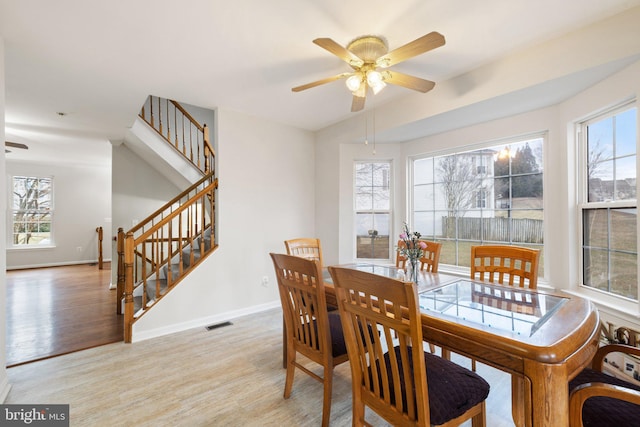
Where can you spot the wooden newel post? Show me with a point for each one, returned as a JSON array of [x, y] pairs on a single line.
[[99, 231], [128, 286], [120, 272]]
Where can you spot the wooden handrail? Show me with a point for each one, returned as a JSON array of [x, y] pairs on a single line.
[[164, 221], [186, 113], [170, 113], [147, 252], [172, 202]]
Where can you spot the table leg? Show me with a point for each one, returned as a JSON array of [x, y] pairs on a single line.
[[520, 400], [549, 399]]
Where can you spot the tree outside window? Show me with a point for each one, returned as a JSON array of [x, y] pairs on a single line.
[[491, 195], [31, 210]]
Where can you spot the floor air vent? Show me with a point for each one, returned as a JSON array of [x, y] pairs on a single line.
[[219, 325]]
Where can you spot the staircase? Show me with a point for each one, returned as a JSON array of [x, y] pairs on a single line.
[[160, 251]]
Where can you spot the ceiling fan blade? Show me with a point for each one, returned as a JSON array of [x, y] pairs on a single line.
[[411, 49], [340, 51], [321, 82], [358, 103], [15, 145], [410, 82]]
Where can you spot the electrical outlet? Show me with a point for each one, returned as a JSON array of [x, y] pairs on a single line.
[[265, 281]]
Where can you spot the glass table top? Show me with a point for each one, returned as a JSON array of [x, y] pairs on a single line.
[[382, 270], [515, 310]]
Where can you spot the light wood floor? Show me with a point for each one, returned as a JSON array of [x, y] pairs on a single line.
[[53, 311], [230, 376]]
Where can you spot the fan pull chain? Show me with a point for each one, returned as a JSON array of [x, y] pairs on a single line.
[[366, 130], [374, 130]]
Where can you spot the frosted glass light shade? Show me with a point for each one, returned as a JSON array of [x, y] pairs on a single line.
[[354, 82]]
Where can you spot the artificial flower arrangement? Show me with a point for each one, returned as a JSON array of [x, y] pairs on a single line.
[[412, 250]]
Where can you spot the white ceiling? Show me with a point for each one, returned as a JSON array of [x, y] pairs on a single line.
[[96, 61]]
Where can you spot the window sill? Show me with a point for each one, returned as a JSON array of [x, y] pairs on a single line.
[[30, 248], [618, 306]]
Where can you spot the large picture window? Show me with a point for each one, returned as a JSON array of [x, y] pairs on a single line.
[[609, 204], [491, 195], [32, 214], [372, 209]]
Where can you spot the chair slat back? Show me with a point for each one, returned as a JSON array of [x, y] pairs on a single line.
[[400, 259], [506, 265], [430, 258], [305, 247], [370, 302], [303, 304]]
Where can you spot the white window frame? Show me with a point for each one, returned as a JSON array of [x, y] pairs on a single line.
[[389, 212], [10, 244], [466, 149], [618, 302]]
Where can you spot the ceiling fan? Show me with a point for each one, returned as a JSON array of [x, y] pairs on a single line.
[[369, 57], [14, 145]]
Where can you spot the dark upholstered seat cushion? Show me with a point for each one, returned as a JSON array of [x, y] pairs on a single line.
[[452, 389], [338, 346], [606, 411]]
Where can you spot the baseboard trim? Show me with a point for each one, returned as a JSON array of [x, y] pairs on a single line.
[[202, 322], [54, 264]]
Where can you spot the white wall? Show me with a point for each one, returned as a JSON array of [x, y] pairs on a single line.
[[266, 195], [82, 202], [4, 380]]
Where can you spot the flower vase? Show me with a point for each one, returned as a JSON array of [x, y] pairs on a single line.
[[412, 270]]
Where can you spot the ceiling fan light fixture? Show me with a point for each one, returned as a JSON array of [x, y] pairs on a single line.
[[377, 87], [375, 80], [354, 82], [374, 77], [366, 55], [361, 92]]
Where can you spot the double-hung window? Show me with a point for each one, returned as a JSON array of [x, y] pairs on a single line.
[[608, 202], [372, 191], [489, 195], [31, 211]]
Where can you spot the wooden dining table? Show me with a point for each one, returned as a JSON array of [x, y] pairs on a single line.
[[542, 338]]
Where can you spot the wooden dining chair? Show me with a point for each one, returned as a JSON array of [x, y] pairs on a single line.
[[430, 258], [305, 247], [310, 329], [401, 260], [511, 266], [390, 371], [505, 265], [599, 399]]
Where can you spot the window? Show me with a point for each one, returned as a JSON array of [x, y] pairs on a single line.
[[609, 206], [31, 204], [372, 209], [491, 195], [481, 198]]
